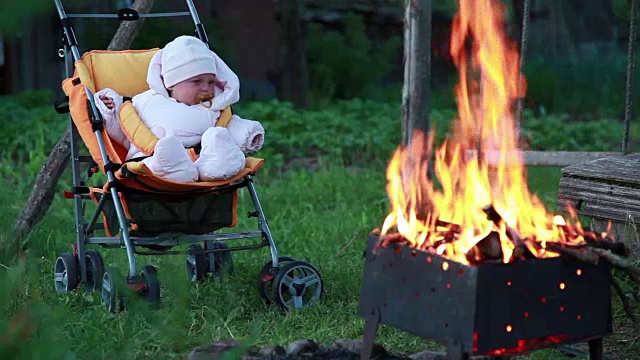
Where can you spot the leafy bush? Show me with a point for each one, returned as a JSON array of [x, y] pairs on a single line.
[[348, 131], [345, 132], [591, 86], [347, 64], [558, 132], [29, 132]]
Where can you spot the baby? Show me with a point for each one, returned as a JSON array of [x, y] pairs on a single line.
[[189, 87]]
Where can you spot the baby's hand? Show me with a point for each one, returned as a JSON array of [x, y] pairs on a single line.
[[108, 102]]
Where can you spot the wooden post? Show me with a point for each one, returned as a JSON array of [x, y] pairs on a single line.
[[417, 67], [294, 76]]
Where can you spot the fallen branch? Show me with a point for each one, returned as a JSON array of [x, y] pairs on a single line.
[[626, 304], [583, 254], [338, 254]]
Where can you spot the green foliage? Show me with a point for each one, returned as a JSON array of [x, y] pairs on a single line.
[[345, 132], [592, 86], [30, 127], [560, 133], [621, 9], [14, 14], [347, 64]]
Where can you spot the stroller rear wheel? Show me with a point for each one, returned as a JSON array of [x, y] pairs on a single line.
[[66, 274], [222, 260], [297, 284], [95, 270], [195, 263]]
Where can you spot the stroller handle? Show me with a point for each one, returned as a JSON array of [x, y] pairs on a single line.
[[128, 14]]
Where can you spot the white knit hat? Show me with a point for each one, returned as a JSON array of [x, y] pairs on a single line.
[[184, 58]]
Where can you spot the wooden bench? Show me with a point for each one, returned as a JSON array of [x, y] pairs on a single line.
[[606, 190]]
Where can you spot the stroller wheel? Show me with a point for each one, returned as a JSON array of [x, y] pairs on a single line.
[[265, 279], [150, 285], [113, 287], [66, 275], [297, 284], [195, 263], [95, 270], [222, 261]]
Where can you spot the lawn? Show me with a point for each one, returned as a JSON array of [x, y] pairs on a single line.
[[322, 217], [318, 212]]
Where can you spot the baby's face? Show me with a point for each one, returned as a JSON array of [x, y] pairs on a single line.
[[194, 90]]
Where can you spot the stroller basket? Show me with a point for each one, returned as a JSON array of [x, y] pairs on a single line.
[[153, 214]]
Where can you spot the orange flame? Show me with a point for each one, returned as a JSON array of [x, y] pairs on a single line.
[[481, 163]]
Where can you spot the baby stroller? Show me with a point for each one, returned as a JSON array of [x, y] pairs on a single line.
[[138, 210]]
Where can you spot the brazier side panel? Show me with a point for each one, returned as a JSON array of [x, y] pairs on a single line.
[[560, 299], [419, 293]]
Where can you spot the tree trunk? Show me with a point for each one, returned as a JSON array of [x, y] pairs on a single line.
[[43, 189], [294, 75], [417, 65], [128, 30]]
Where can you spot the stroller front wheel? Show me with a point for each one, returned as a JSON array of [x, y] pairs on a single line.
[[150, 285], [296, 285], [265, 279], [112, 290]]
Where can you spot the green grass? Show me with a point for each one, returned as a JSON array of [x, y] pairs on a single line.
[[321, 217]]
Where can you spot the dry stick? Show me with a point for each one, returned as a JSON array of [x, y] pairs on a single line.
[[594, 255], [617, 261], [347, 245], [582, 254], [44, 186]]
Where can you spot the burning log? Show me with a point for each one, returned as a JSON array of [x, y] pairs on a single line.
[[487, 250], [521, 250]]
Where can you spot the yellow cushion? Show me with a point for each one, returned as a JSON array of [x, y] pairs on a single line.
[[135, 130], [123, 71]]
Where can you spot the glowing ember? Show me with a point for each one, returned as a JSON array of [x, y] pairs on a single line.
[[481, 178]]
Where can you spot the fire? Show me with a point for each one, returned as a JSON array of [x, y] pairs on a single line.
[[480, 164]]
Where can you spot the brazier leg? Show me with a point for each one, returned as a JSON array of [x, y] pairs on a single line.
[[596, 349], [455, 351], [370, 329]]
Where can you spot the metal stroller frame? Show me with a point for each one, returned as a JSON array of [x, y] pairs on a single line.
[[283, 280]]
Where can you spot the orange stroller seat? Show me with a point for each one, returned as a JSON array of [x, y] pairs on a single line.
[[125, 72]]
